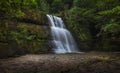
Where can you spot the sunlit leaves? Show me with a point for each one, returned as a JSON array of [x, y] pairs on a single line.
[[115, 10], [19, 13], [29, 2], [112, 28]]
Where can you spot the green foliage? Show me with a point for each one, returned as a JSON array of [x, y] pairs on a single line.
[[57, 6], [115, 10], [43, 6], [13, 8], [19, 13], [85, 3], [22, 35], [112, 28], [77, 21], [28, 38], [91, 20], [29, 2]]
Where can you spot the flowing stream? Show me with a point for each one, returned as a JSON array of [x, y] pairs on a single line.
[[62, 39]]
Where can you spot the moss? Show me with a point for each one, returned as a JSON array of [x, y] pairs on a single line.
[[22, 38]]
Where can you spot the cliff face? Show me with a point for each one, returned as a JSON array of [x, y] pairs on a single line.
[[28, 34]]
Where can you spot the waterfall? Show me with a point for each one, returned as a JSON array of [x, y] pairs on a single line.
[[62, 39]]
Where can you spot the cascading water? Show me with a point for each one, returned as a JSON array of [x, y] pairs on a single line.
[[62, 39]]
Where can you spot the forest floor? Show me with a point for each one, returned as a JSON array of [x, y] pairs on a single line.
[[93, 62]]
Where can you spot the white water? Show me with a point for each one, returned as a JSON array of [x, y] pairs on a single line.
[[62, 39]]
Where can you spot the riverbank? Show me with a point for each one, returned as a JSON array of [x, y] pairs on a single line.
[[62, 63]]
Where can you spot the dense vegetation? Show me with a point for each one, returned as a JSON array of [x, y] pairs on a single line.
[[94, 23]]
